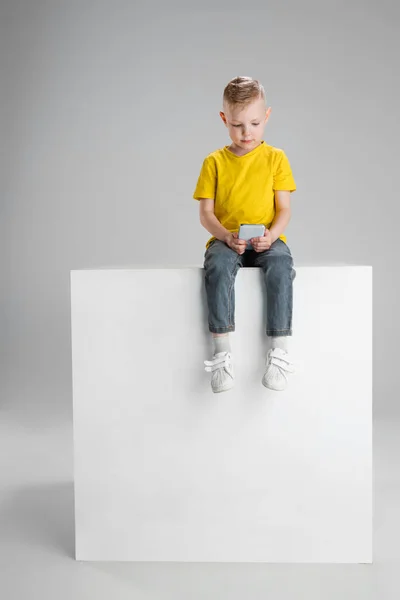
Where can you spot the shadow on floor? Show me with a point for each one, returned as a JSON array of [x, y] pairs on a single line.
[[41, 514]]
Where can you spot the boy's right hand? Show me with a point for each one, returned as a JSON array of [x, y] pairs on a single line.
[[235, 243]]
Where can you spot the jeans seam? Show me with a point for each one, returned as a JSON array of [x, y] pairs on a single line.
[[270, 331], [232, 275]]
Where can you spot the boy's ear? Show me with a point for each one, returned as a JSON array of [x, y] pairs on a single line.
[[222, 115], [267, 114]]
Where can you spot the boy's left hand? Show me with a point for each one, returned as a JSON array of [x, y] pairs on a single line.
[[262, 243]]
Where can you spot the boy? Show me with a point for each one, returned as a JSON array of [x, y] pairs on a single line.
[[247, 182]]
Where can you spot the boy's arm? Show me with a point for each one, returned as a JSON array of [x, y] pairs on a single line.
[[210, 221], [282, 214]]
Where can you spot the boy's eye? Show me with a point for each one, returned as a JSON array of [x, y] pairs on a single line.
[[252, 124]]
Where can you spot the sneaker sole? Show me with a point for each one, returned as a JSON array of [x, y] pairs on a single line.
[[272, 388], [223, 389]]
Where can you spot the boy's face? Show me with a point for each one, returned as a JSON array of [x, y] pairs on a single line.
[[246, 125]]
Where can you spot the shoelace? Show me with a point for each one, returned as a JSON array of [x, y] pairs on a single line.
[[219, 361]]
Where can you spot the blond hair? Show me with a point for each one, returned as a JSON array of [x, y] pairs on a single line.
[[242, 91]]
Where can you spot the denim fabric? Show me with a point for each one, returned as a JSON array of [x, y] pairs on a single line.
[[221, 265]]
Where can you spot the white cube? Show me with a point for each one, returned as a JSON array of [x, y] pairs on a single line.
[[165, 470]]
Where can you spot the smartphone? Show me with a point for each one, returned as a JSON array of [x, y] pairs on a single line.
[[248, 231]]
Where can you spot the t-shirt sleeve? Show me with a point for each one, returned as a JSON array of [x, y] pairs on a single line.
[[207, 181], [283, 176]]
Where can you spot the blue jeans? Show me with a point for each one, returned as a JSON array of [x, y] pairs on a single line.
[[221, 265]]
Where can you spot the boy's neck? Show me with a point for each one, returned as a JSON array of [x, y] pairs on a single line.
[[240, 151]]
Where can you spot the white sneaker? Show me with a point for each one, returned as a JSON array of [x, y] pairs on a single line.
[[221, 366], [278, 366]]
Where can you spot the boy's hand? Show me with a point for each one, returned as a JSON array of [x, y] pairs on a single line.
[[236, 243], [262, 243]]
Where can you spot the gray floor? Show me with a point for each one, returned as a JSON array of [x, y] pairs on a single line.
[[37, 536]]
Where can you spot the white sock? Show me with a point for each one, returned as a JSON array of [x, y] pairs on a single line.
[[222, 343], [280, 341]]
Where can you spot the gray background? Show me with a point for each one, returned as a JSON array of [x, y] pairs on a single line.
[[107, 111]]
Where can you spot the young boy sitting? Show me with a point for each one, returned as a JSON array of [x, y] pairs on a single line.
[[248, 181]]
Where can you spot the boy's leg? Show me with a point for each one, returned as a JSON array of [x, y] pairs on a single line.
[[277, 265], [221, 265], [279, 273], [221, 342]]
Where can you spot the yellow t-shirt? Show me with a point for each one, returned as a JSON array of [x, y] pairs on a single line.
[[243, 187]]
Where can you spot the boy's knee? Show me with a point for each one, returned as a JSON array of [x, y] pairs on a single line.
[[220, 268], [280, 264], [222, 260]]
